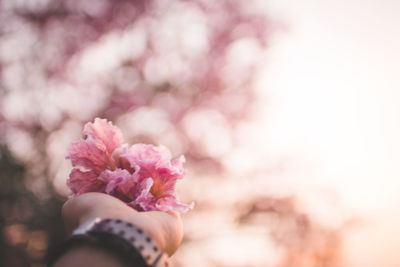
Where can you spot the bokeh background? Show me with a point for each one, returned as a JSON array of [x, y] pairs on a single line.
[[286, 111]]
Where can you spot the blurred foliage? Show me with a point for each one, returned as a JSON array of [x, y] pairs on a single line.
[[28, 223], [180, 73], [307, 243]]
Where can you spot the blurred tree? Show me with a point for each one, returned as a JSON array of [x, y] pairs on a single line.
[[28, 223], [180, 73]]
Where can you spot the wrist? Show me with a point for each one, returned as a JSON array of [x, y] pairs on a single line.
[[120, 239], [84, 255]]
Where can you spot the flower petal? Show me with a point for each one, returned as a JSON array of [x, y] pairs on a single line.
[[107, 136], [170, 203], [155, 162], [145, 201], [143, 176], [85, 154], [82, 182], [125, 186], [108, 176], [95, 152]]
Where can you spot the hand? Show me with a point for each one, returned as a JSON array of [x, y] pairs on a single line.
[[164, 228]]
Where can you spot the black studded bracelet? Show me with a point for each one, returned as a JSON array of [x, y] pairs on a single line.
[[128, 243]]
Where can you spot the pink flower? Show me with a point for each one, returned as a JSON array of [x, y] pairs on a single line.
[[142, 175], [94, 152]]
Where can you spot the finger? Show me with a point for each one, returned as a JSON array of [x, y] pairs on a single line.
[[168, 230], [79, 209]]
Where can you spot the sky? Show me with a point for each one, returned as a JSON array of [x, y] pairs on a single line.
[[332, 80]]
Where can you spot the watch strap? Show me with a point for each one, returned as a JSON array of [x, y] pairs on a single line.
[[135, 236]]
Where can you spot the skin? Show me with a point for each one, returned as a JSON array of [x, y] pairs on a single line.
[[164, 228], [87, 257]]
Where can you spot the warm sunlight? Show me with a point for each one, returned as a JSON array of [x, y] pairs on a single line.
[[334, 76]]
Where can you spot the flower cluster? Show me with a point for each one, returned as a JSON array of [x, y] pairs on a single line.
[[142, 175]]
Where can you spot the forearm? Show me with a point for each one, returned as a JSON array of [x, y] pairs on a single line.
[[118, 235], [164, 228], [87, 256], [111, 241]]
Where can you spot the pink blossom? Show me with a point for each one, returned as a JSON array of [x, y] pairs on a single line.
[[143, 176], [94, 151]]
